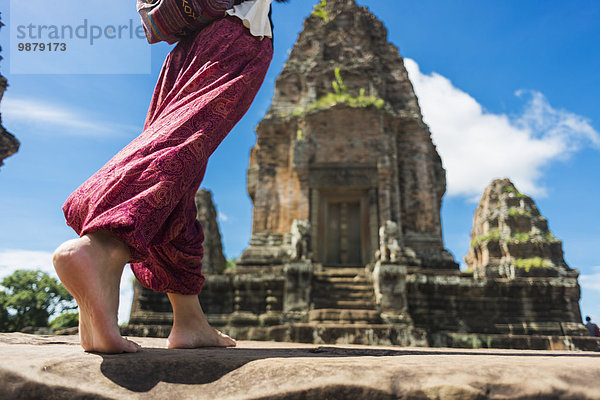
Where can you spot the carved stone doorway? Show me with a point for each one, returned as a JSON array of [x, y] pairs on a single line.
[[343, 229]]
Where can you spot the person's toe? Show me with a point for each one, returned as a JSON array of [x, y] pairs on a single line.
[[131, 347], [226, 340]]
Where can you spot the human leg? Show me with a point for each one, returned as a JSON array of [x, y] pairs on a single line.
[[90, 267], [142, 194], [174, 264], [190, 326], [207, 84]]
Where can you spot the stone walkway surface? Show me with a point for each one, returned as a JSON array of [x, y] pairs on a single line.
[[55, 367]]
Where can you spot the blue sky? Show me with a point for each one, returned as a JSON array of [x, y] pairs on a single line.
[[508, 89]]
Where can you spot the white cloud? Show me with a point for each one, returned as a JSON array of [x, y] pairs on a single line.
[[591, 281], [13, 259], [43, 117], [477, 146], [223, 217]]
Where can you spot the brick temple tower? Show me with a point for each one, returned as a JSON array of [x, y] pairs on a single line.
[[344, 151]]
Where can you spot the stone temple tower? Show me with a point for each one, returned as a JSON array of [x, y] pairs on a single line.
[[353, 165], [510, 237], [8, 143]]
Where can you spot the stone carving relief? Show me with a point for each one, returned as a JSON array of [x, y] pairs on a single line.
[[389, 248], [300, 240]]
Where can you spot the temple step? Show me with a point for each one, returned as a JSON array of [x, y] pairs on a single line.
[[343, 289], [348, 287], [361, 287], [337, 316], [326, 302], [341, 272], [343, 295], [332, 280], [366, 293]]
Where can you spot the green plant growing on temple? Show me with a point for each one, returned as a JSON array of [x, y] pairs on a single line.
[[519, 237], [509, 189], [550, 237], [339, 87], [492, 234], [340, 95], [517, 212], [528, 263], [297, 112], [320, 11]]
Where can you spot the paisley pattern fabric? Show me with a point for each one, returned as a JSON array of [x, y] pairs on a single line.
[[145, 194], [170, 20]]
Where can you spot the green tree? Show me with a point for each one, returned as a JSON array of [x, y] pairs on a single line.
[[66, 320], [30, 298], [3, 312], [230, 264]]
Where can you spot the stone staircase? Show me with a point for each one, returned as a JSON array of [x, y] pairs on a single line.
[[343, 295], [343, 311]]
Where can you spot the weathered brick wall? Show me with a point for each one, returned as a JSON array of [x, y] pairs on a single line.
[[462, 304]]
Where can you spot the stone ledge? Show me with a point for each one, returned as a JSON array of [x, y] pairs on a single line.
[[514, 342], [55, 367]]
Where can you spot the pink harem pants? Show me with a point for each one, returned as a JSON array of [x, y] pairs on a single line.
[[145, 194]]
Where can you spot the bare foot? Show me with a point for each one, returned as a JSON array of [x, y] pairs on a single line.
[[90, 268], [190, 326]]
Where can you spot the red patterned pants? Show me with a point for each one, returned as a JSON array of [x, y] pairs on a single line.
[[145, 194]]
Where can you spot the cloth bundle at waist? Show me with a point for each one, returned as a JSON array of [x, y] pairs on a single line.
[[170, 20]]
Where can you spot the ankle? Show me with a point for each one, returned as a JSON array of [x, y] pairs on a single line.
[[186, 308]]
